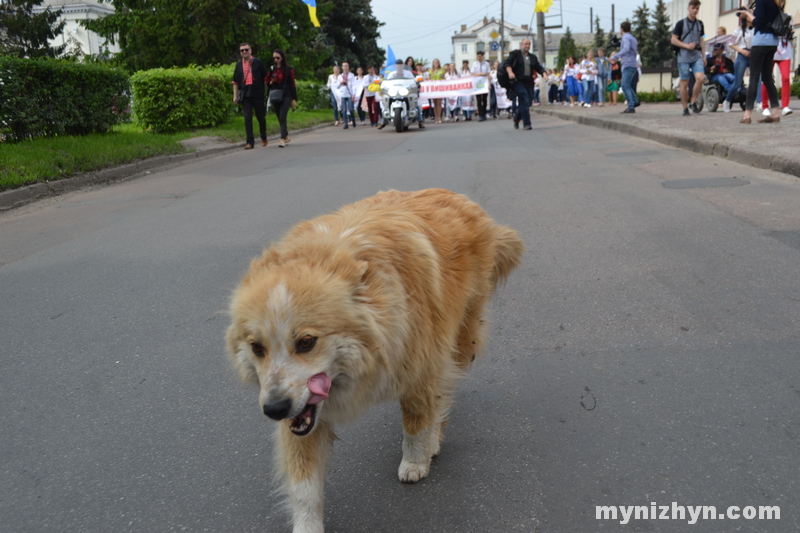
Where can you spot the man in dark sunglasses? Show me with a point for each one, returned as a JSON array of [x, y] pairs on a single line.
[[248, 90]]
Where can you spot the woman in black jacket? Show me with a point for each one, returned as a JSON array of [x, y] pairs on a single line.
[[282, 91]]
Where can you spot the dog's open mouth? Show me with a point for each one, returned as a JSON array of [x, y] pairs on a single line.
[[303, 423]]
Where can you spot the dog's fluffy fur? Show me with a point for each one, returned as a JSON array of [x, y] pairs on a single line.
[[384, 297]]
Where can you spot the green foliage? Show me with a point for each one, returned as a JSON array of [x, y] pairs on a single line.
[[312, 95], [667, 95], [353, 33], [640, 28], [796, 87], [179, 33], [660, 52], [45, 98], [171, 100], [566, 49], [24, 33], [599, 34]]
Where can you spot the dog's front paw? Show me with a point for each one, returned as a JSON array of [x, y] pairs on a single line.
[[412, 472]]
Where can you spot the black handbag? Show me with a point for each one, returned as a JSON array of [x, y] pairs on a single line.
[[275, 96]]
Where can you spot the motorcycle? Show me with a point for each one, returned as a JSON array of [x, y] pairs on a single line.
[[400, 96]]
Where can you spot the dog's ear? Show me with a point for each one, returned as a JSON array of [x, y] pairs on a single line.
[[265, 260], [350, 268]]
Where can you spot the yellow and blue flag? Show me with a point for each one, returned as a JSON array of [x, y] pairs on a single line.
[[543, 6], [312, 11]]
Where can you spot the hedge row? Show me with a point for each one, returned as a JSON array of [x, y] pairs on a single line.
[[44, 98], [178, 99]]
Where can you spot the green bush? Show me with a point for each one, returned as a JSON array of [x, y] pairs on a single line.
[[666, 95], [45, 98], [312, 95], [178, 99], [796, 87]]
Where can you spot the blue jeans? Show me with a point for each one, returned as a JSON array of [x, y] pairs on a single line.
[[588, 91], [525, 96], [726, 80], [602, 83], [348, 113], [628, 74], [739, 67], [335, 107]]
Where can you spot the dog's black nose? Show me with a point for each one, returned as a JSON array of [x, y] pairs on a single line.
[[278, 410]]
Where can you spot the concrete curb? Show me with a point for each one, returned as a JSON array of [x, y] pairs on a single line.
[[15, 198], [740, 155]]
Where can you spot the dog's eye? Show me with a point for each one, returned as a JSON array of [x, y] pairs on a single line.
[[305, 344], [258, 349]]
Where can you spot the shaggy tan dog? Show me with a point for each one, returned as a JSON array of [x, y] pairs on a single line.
[[379, 301]]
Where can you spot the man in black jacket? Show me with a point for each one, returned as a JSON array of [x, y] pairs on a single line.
[[248, 79], [521, 66]]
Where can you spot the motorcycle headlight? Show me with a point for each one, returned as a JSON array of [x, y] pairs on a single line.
[[391, 91], [402, 91]]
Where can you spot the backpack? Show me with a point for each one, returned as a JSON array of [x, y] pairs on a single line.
[[502, 75], [782, 25], [675, 49]]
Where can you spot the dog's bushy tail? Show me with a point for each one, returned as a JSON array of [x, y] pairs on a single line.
[[508, 253]]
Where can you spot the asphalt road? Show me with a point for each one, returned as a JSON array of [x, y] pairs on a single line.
[[645, 352]]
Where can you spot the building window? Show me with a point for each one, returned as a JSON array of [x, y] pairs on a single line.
[[728, 5], [480, 47], [464, 48]]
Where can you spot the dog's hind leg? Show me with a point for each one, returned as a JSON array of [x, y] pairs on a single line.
[[302, 461]]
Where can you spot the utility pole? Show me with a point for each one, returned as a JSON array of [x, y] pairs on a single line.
[[502, 27], [540, 37], [591, 20], [613, 28]]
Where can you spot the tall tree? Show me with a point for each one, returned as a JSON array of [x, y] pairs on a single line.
[[640, 28], [566, 48], [660, 53], [167, 33], [353, 33], [599, 34], [24, 33]]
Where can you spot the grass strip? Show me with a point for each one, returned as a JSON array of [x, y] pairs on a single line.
[[55, 158]]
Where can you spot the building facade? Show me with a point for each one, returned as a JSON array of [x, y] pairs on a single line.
[[75, 36]]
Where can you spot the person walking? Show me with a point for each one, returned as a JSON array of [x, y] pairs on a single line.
[[603, 74], [282, 92], [571, 71], [783, 58], [687, 36], [521, 66], [334, 90], [346, 85], [627, 56], [248, 89], [765, 44], [615, 84], [372, 104], [453, 103], [743, 41], [588, 78], [436, 73], [358, 97], [481, 68]]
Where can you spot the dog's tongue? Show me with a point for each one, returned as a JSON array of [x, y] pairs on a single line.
[[319, 385]]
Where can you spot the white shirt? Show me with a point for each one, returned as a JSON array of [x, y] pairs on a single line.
[[345, 84], [481, 67], [588, 70]]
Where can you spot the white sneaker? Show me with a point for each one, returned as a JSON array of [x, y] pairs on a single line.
[[588, 105], [726, 107], [766, 112], [786, 111]]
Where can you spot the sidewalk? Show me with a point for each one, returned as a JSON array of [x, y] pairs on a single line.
[[768, 146]]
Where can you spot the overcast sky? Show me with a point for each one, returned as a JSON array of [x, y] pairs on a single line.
[[423, 28]]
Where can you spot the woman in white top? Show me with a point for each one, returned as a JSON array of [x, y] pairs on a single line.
[[571, 70], [466, 101], [359, 94], [742, 41], [588, 77], [453, 104], [333, 88]]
